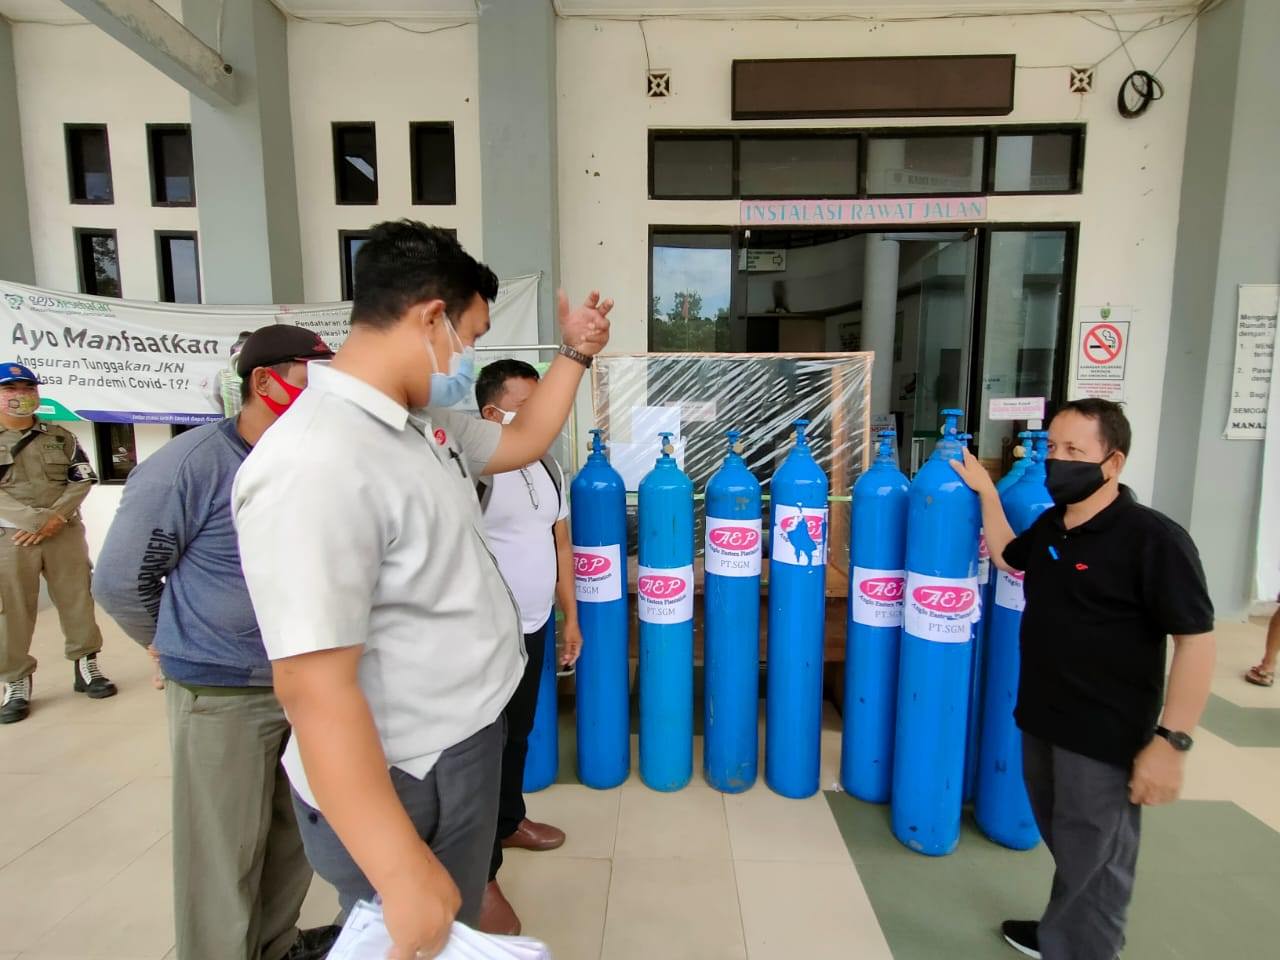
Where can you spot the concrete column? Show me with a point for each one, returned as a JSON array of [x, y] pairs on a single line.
[[16, 260], [518, 174], [880, 315], [246, 190], [1228, 234]]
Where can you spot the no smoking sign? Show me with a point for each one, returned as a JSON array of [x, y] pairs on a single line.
[[1102, 352]]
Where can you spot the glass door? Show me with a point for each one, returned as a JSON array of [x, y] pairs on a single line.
[[1023, 332], [932, 334]]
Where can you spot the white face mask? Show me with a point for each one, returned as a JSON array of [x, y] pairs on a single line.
[[507, 415]]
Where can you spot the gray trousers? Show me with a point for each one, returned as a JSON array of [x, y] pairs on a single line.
[[454, 808], [239, 872], [1083, 811]]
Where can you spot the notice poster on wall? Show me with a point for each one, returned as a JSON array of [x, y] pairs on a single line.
[[129, 361], [1255, 352], [1101, 352], [1266, 574]]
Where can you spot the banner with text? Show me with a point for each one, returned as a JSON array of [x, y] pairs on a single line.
[[129, 361]]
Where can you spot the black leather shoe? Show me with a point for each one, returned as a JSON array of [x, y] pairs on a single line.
[[17, 701], [313, 944], [90, 681], [1023, 936]]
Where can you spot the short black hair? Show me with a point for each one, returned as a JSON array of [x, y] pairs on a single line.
[[246, 388], [406, 262], [1113, 425], [494, 376]]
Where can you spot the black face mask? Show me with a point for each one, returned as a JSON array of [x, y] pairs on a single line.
[[1070, 481]]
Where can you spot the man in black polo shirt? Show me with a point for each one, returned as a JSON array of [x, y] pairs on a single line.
[[1107, 581]]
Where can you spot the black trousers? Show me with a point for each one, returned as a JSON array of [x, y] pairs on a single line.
[[519, 714], [1082, 808]]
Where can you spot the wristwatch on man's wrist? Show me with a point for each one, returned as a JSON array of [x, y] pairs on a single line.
[[576, 355], [1180, 741]]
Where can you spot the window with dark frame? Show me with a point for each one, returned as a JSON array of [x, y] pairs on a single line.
[[1047, 161], [688, 167], [925, 165], [98, 260], [89, 163], [178, 257], [173, 182], [431, 154], [117, 451], [774, 166], [862, 163], [355, 163], [349, 244]]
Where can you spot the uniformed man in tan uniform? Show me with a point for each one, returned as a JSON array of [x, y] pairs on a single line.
[[44, 476]]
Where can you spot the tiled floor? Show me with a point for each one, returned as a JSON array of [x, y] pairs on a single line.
[[84, 849]]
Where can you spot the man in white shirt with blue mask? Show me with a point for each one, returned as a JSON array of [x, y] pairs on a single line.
[[395, 642], [526, 517]]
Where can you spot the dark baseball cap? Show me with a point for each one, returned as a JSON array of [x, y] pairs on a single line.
[[17, 373], [280, 343]]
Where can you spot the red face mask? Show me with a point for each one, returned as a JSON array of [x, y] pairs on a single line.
[[292, 392]]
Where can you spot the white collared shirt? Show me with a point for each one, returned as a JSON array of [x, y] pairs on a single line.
[[519, 520], [359, 525]]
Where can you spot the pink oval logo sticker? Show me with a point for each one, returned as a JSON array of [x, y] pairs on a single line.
[[814, 524], [735, 538], [590, 564], [658, 587], [945, 599], [888, 589]]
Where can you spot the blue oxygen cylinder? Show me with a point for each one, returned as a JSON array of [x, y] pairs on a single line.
[[542, 763], [940, 606], [987, 582], [664, 595], [877, 576], [598, 520], [1001, 807], [974, 722], [797, 612], [731, 560]]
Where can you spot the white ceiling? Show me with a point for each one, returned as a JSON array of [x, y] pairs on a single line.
[[56, 11], [835, 7]]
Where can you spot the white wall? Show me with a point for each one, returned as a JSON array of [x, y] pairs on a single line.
[[1128, 212], [77, 74], [391, 77]]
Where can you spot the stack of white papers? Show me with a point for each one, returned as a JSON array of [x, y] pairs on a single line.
[[365, 937]]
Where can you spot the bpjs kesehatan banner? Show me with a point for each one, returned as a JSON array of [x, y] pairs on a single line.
[[128, 361]]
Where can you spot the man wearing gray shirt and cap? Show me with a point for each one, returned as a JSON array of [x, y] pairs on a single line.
[[396, 644]]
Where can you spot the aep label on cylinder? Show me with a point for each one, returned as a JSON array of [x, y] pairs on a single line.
[[1009, 591], [597, 573], [665, 594], [799, 536], [733, 547], [941, 609], [877, 596]]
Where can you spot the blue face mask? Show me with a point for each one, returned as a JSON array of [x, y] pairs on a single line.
[[448, 389], [451, 388]]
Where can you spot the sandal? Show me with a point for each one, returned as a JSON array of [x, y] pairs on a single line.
[[1259, 677]]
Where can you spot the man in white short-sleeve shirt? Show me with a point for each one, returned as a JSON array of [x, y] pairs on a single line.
[[395, 642], [526, 518]]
